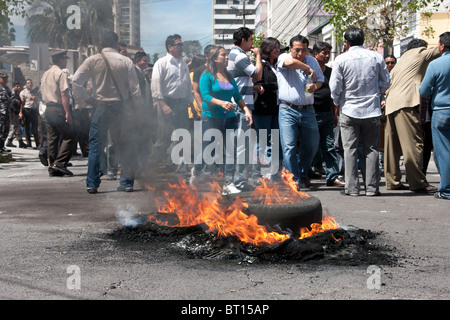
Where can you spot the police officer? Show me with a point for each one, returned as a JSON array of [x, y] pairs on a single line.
[[5, 110]]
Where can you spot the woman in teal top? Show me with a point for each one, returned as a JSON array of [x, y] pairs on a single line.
[[218, 89]]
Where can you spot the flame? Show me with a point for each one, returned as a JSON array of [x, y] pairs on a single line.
[[328, 223], [191, 208]]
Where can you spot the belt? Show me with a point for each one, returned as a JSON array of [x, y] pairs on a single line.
[[295, 106]]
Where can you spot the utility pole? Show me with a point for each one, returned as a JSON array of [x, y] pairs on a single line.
[[242, 13]]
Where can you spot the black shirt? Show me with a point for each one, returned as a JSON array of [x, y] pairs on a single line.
[[322, 97], [267, 103]]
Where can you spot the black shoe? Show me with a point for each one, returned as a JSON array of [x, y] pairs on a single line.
[[52, 173], [62, 170], [125, 189], [43, 159], [5, 150], [10, 144], [22, 145], [92, 190]]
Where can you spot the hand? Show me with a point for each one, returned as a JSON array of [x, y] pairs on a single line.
[[227, 105], [312, 88], [311, 73], [255, 51], [248, 117], [69, 118], [166, 109], [383, 105], [20, 115], [258, 89]]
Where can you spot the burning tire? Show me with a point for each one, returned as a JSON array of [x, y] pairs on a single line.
[[287, 216]]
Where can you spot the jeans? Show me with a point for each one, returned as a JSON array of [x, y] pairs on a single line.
[[296, 123], [325, 122], [440, 123], [244, 168], [216, 152], [365, 134], [267, 149], [110, 116]]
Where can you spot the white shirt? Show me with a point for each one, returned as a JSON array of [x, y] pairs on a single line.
[[358, 79], [170, 78]]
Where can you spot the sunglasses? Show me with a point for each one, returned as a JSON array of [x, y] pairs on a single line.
[[179, 44], [390, 62]]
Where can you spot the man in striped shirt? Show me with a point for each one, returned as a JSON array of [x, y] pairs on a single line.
[[244, 73]]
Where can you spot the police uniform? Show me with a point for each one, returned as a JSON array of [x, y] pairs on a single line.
[[5, 113]]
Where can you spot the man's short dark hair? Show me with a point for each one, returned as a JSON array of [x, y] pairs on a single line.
[[354, 36], [444, 39], [390, 56], [320, 46], [170, 41], [16, 83], [241, 33], [416, 43], [298, 38], [139, 55], [109, 39]]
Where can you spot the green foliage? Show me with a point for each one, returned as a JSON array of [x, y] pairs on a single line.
[[381, 20], [47, 22], [10, 8]]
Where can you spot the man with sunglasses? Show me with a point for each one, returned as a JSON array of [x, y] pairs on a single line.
[[172, 91], [390, 61]]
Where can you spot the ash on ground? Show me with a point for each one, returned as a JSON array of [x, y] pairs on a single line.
[[354, 246]]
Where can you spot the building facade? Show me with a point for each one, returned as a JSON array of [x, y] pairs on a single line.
[[127, 21], [229, 15]]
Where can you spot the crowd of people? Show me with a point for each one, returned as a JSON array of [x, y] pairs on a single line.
[[310, 118]]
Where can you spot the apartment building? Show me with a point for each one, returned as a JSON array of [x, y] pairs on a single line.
[[127, 21], [229, 15]]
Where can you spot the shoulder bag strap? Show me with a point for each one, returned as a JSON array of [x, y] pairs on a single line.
[[112, 75]]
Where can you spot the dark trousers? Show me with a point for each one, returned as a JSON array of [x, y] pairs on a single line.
[[31, 125], [58, 131]]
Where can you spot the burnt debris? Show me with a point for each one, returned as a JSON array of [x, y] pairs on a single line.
[[345, 246]]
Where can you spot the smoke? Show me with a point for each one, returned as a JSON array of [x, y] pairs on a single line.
[[129, 216]]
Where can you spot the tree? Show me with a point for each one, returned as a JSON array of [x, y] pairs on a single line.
[[47, 23], [382, 20], [10, 8], [192, 48]]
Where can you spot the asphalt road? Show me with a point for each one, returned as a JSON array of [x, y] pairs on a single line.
[[56, 244]]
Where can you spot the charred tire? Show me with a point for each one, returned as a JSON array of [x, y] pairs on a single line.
[[288, 216]]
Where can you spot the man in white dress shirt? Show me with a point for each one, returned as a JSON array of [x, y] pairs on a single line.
[[359, 78], [172, 90]]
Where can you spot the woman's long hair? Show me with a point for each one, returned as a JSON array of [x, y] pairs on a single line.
[[267, 46], [211, 66]]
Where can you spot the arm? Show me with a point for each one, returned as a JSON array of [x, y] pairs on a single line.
[[66, 104], [80, 78], [298, 65], [157, 77], [197, 97], [206, 83], [428, 83], [258, 75]]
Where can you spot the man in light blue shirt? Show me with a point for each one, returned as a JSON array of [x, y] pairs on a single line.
[[436, 84], [297, 117], [359, 78]]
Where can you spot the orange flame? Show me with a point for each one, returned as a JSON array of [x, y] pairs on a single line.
[[328, 223], [191, 208]]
